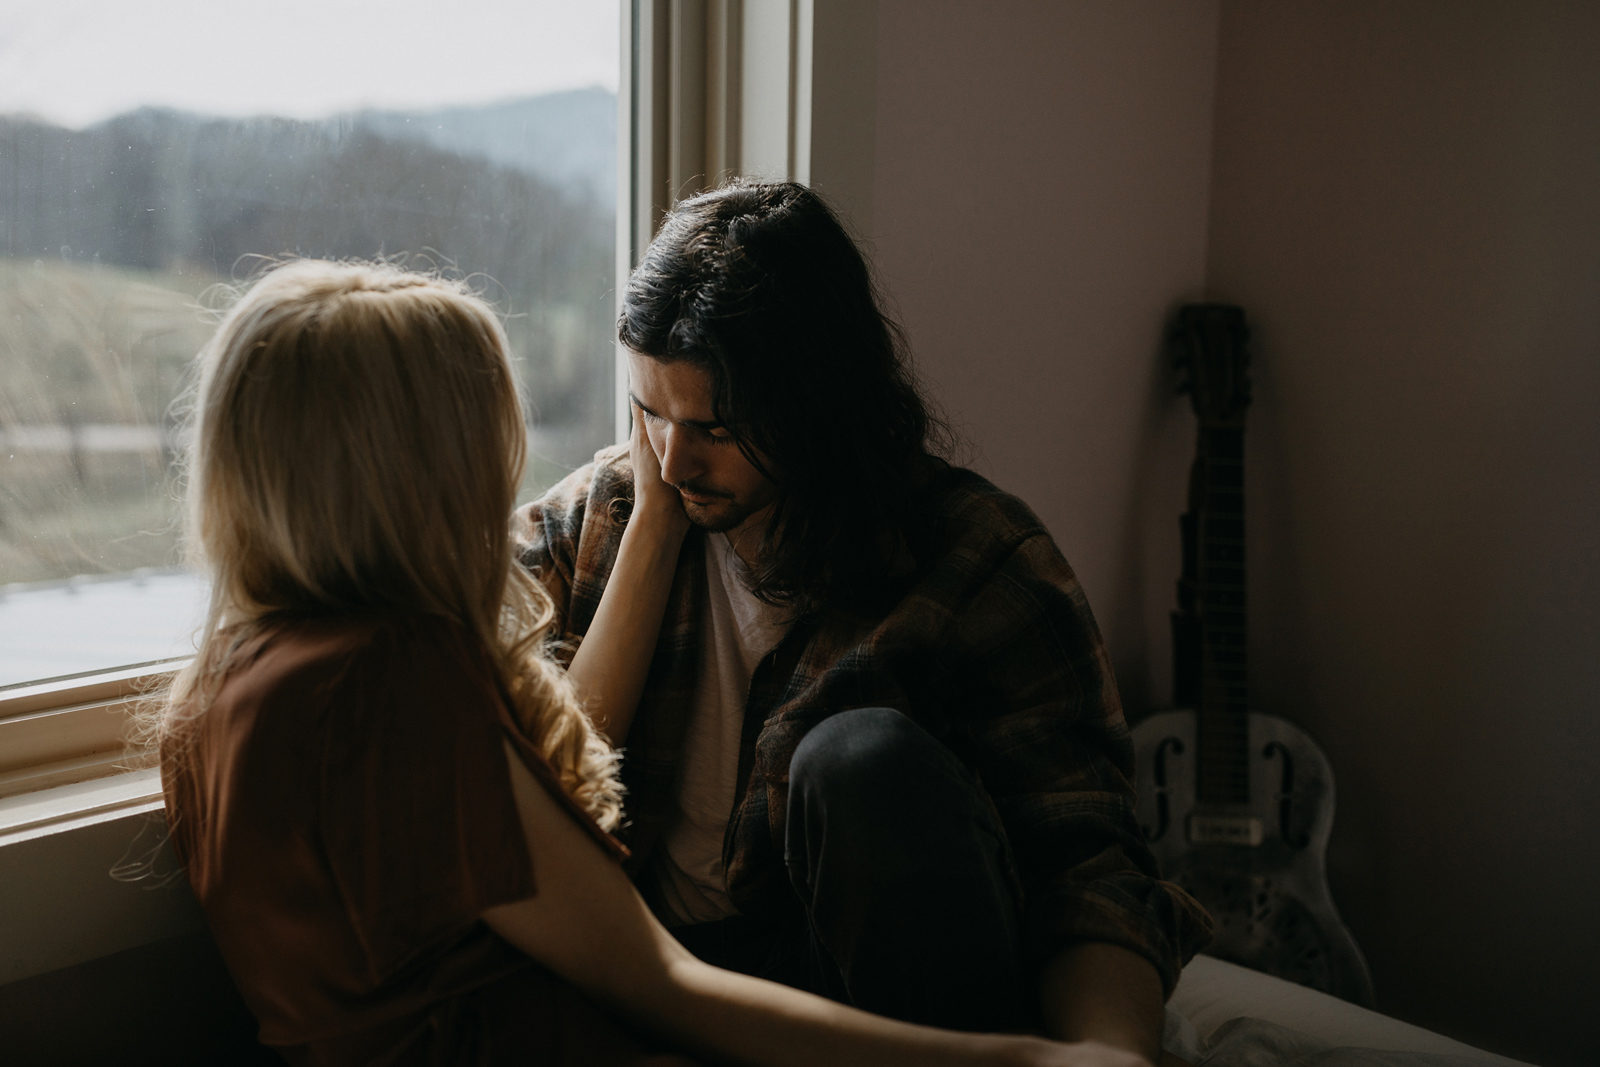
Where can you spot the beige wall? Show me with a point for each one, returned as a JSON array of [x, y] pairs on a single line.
[[1406, 197], [1040, 199]]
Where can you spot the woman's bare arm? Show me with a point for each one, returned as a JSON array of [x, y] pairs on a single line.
[[588, 925], [614, 658], [1106, 992]]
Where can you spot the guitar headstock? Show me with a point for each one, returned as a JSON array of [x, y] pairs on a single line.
[[1211, 343]]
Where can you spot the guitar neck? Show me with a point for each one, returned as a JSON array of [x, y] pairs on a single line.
[[1216, 599], [1208, 630]]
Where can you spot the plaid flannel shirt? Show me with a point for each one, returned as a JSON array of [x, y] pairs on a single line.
[[993, 650]]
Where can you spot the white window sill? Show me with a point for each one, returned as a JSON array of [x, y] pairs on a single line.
[[26, 816], [69, 730], [59, 904], [69, 814]]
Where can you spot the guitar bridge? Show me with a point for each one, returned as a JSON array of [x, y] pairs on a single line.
[[1225, 830]]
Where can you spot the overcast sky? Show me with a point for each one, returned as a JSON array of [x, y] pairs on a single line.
[[79, 61]]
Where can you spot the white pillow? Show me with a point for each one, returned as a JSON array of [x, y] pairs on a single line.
[[1212, 993]]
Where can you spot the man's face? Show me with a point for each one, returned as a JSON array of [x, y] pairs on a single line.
[[720, 488]]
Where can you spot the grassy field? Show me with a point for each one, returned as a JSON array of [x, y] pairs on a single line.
[[82, 345], [85, 346]]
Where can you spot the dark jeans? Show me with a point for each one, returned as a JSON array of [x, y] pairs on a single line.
[[904, 903]]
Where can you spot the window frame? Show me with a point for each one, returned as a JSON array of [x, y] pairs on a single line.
[[776, 89]]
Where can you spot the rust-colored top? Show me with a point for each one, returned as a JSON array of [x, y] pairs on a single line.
[[345, 817]]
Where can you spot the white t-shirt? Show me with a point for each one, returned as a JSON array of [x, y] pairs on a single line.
[[736, 633]]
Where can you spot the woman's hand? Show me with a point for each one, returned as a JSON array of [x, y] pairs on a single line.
[[1046, 1053], [654, 501]]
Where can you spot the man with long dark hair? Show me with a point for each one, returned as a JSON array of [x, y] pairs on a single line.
[[877, 749]]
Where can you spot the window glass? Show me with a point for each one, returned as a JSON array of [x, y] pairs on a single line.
[[151, 154]]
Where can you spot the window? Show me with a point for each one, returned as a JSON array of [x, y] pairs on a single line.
[[148, 151], [153, 154]]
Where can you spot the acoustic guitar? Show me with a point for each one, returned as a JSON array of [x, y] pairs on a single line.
[[1236, 805]]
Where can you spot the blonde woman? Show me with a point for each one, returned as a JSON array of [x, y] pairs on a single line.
[[386, 797]]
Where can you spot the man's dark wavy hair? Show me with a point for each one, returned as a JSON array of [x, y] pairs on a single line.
[[758, 284]]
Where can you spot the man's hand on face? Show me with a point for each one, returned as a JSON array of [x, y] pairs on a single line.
[[654, 500]]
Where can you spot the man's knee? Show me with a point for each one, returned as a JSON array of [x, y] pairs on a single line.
[[871, 758]]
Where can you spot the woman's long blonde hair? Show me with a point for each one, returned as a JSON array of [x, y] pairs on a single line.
[[357, 446]]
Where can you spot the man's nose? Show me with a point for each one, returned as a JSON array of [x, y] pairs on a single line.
[[679, 459]]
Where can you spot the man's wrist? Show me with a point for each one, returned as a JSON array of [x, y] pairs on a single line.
[[662, 522]]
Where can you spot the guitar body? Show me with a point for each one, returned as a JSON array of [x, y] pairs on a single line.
[[1257, 867]]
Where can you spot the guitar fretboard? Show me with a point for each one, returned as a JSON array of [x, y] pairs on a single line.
[[1208, 629], [1223, 763]]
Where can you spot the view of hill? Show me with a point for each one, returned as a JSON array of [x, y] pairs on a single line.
[[88, 353], [569, 138], [110, 236], [161, 190]]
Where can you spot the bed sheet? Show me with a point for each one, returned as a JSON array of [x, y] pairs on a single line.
[[1224, 1015]]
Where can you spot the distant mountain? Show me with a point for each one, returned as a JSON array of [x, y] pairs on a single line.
[[165, 191], [569, 138]]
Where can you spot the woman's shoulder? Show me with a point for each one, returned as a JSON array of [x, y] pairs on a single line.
[[354, 664], [364, 702]]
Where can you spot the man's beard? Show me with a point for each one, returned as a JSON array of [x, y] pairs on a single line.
[[725, 513], [720, 517]]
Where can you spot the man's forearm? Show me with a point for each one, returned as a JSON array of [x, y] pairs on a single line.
[[613, 661], [1102, 992]]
